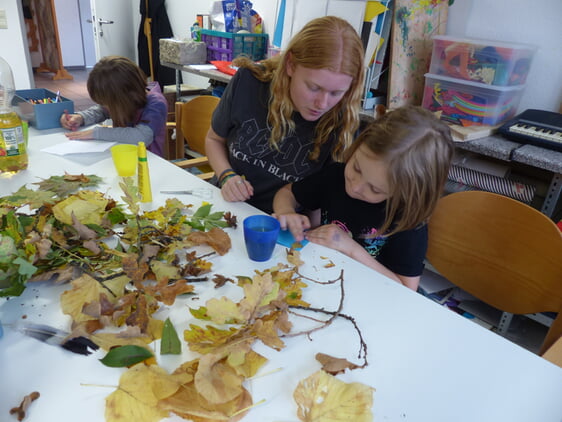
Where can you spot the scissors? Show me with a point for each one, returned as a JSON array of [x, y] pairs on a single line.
[[204, 193]]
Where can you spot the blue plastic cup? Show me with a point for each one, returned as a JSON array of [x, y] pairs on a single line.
[[260, 235]]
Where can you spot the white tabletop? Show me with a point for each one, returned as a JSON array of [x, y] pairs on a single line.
[[425, 362]]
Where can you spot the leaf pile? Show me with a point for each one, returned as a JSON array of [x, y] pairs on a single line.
[[61, 231]]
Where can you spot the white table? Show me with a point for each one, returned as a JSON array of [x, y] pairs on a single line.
[[426, 362]]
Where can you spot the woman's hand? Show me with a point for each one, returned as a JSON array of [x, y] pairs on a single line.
[[71, 121], [236, 188], [295, 222], [83, 135]]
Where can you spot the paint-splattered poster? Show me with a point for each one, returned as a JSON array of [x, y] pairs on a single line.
[[415, 22]]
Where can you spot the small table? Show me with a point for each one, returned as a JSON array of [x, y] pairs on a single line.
[[204, 70]]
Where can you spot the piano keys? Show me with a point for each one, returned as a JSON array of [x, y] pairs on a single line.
[[535, 127]]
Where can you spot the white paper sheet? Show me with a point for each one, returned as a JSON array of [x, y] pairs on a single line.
[[78, 147]]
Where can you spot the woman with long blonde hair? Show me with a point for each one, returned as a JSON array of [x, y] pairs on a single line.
[[286, 117]]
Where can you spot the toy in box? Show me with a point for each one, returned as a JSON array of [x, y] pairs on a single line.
[[41, 108], [470, 103], [489, 62]]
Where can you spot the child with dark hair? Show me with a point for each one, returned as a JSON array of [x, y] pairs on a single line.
[[138, 110], [374, 208]]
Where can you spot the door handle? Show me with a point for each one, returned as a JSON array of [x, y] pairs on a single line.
[[103, 21]]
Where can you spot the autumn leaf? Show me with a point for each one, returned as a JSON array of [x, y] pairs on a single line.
[[207, 339], [189, 404], [217, 381], [216, 238], [138, 393], [322, 397], [87, 206], [224, 311], [334, 366], [69, 183]]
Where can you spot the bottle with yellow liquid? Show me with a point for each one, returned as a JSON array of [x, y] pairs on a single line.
[[13, 151]]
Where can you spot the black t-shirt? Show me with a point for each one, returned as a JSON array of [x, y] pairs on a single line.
[[402, 253], [241, 118]]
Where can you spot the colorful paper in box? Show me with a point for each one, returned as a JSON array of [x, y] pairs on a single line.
[[468, 103], [41, 116]]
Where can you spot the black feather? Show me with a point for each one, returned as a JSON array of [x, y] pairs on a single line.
[[50, 335]]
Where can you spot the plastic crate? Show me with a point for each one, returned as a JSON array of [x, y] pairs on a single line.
[[465, 102], [226, 46], [41, 116], [476, 60]]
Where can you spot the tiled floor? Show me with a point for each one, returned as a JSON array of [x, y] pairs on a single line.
[[73, 89]]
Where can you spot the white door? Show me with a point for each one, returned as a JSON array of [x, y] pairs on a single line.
[[113, 28]]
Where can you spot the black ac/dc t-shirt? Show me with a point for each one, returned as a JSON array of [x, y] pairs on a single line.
[[241, 118], [402, 253]]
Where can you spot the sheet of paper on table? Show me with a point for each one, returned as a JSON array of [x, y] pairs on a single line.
[[78, 147]]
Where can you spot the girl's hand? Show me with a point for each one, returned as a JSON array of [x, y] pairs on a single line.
[[71, 121], [296, 223], [236, 188], [85, 134], [334, 237]]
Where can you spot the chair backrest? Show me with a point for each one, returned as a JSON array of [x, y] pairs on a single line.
[[193, 120], [501, 251]]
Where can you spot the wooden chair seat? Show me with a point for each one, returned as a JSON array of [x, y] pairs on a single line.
[[192, 121]]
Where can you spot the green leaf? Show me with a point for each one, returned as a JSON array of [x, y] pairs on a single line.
[[26, 268], [122, 356], [200, 313], [203, 211], [170, 344]]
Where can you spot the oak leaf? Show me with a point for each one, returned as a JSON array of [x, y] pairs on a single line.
[[322, 397]]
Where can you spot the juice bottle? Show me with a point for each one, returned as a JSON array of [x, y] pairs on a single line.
[[13, 152]]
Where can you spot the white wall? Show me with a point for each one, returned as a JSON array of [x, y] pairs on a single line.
[[13, 42]]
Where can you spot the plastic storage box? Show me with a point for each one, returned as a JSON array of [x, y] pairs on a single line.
[[226, 46], [41, 116], [466, 102], [489, 62]]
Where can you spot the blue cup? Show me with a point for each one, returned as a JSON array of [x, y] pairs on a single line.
[[260, 235]]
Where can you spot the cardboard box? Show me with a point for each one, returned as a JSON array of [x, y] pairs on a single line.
[[182, 52], [41, 116]]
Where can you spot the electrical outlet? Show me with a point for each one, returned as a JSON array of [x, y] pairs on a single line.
[[3, 19]]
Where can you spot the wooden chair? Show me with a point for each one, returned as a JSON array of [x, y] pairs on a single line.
[[192, 121], [501, 251]]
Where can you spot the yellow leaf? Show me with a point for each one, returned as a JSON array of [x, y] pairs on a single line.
[[223, 310], [205, 340], [189, 404], [246, 363], [87, 206], [217, 381], [322, 397], [84, 290], [138, 393]]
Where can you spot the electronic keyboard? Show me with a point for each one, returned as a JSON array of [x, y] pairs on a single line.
[[536, 127]]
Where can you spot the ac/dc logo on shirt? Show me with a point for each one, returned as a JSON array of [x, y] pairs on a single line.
[[288, 162]]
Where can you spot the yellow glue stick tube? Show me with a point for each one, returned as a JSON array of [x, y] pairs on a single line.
[[143, 174]]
